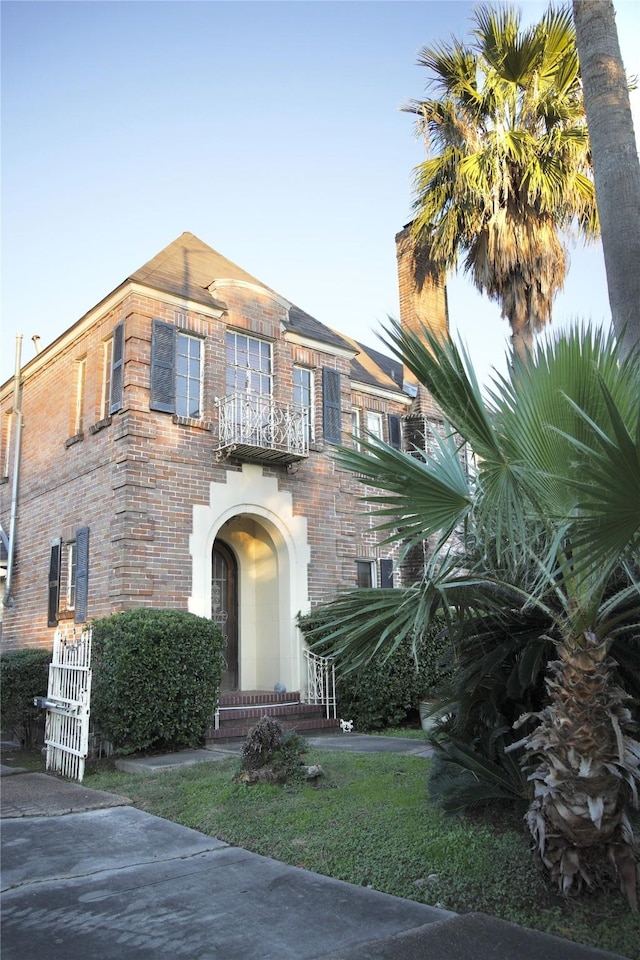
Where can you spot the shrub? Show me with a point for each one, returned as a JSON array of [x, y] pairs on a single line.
[[272, 755], [387, 690], [23, 675], [156, 678]]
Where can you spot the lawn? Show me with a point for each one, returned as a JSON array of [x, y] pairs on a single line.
[[369, 821]]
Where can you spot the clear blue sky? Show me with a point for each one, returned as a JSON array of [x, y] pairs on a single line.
[[271, 130]]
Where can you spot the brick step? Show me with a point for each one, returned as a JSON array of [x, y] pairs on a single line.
[[257, 697], [239, 712], [241, 730], [283, 711]]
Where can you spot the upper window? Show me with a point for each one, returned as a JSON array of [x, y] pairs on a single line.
[[78, 409], [107, 360], [188, 375], [374, 424], [249, 367], [6, 443], [355, 426], [176, 371], [303, 396]]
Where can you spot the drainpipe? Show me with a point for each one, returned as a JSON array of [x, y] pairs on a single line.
[[17, 416]]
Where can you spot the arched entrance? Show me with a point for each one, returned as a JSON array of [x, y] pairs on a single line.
[[267, 549], [224, 607]]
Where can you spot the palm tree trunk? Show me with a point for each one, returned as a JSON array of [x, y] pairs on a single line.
[[615, 161], [588, 770]]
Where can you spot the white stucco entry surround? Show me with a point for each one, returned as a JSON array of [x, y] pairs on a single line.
[[273, 554]]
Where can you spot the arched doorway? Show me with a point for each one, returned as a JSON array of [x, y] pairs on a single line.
[[224, 607], [269, 554]]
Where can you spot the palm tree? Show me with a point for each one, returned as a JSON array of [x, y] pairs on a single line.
[[615, 160], [551, 516], [508, 175]]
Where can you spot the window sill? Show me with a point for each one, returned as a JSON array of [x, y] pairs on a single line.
[[76, 439], [192, 422], [100, 425], [66, 614]]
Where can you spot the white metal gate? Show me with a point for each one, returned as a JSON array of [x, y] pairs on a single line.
[[67, 703]]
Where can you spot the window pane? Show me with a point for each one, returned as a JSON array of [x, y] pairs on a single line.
[[189, 376], [374, 424], [248, 365], [364, 571]]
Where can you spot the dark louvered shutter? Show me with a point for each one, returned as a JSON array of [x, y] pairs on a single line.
[[331, 412], [117, 369], [386, 573], [82, 574], [395, 431], [54, 584], [162, 367]]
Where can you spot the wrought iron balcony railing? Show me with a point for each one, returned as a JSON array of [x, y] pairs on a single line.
[[254, 428]]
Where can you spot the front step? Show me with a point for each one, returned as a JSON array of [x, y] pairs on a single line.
[[239, 713]]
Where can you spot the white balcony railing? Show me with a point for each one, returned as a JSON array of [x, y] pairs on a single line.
[[253, 426]]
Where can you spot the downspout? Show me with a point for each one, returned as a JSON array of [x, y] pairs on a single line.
[[17, 415]]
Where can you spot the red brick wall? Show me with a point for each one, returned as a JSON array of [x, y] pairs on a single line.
[[134, 480]]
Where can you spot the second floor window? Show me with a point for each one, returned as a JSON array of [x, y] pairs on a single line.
[[374, 424], [249, 367], [188, 375], [303, 395], [107, 360], [78, 411], [176, 371], [355, 426]]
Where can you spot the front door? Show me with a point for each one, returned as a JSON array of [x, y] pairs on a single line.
[[224, 608]]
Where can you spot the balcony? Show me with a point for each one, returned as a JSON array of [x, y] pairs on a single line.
[[253, 428]]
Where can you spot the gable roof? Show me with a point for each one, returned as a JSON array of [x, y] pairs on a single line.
[[187, 267], [374, 368]]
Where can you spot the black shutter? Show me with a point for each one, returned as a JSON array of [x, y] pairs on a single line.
[[82, 574], [117, 369], [386, 573], [54, 584], [395, 431], [331, 411], [163, 367]]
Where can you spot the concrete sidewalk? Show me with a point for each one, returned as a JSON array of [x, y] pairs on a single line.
[[109, 881]]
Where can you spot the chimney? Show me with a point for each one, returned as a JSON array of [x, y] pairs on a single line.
[[423, 303], [423, 296]]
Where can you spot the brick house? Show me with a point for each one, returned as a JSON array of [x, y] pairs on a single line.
[[177, 451]]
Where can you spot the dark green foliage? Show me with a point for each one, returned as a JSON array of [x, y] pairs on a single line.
[[385, 691], [271, 753], [24, 675], [156, 678]]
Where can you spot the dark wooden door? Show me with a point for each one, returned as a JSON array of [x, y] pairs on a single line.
[[224, 608]]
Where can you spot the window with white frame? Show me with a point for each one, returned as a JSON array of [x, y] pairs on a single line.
[[107, 360], [249, 366], [78, 408], [7, 420], [188, 376], [303, 396], [374, 424], [70, 576], [366, 574], [356, 428]]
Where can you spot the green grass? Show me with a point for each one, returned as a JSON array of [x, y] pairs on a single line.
[[370, 822]]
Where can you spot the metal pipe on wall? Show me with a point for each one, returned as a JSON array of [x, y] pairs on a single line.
[[17, 416]]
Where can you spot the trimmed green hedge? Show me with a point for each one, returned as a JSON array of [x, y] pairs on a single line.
[[156, 678], [386, 691], [24, 674]]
